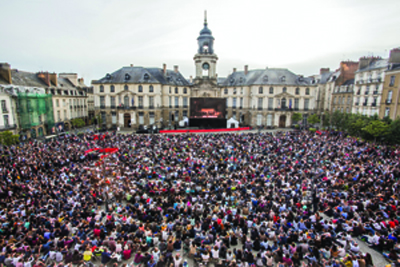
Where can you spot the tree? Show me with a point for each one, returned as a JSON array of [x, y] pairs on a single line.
[[7, 138], [296, 117], [313, 119], [78, 123], [356, 127], [336, 119], [394, 132], [326, 121], [377, 128]]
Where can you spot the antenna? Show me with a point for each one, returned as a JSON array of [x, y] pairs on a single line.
[[205, 17]]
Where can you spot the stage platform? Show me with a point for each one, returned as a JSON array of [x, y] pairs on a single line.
[[206, 130]]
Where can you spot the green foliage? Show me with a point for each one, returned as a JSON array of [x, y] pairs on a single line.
[[7, 138], [313, 119], [394, 132], [312, 129], [297, 126], [355, 128], [377, 128], [326, 121], [336, 119], [78, 123], [296, 117]]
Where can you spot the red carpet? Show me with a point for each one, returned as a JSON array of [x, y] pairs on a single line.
[[206, 130]]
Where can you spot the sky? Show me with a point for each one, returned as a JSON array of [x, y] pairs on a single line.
[[96, 37]]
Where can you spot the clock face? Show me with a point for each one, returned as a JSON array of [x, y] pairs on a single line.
[[206, 66]]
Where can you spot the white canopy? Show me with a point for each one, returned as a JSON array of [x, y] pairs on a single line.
[[232, 123], [184, 122]]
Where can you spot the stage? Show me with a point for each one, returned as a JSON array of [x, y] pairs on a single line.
[[206, 130]]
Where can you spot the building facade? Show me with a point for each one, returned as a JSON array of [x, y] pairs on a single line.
[[135, 96], [390, 101]]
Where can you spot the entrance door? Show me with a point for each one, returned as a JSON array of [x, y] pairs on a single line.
[[282, 121], [127, 120]]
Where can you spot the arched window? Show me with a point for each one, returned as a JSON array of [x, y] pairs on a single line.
[[101, 89], [283, 102], [126, 87], [126, 101], [140, 89], [176, 90], [151, 89], [226, 91], [260, 90], [271, 90], [307, 91], [297, 91], [112, 88], [185, 90], [284, 90]]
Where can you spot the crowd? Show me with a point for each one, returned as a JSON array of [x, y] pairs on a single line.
[[282, 199]]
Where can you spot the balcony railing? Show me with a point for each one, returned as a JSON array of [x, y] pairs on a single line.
[[366, 92], [185, 106], [151, 107], [5, 110], [259, 108], [388, 101], [70, 107], [112, 106], [126, 107], [8, 127], [269, 108], [358, 92], [375, 92], [365, 104], [373, 105], [140, 107], [356, 103], [176, 106], [102, 107], [283, 109]]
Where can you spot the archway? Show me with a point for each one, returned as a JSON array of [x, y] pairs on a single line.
[[127, 120], [282, 121], [40, 130]]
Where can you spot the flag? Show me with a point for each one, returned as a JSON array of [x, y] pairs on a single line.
[[318, 132]]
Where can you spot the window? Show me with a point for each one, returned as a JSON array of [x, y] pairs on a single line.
[[343, 99], [260, 103], [270, 103], [226, 91], [6, 122], [259, 119], [112, 89], [151, 101], [65, 115], [284, 90], [283, 79], [241, 102], [169, 89], [367, 90], [374, 101], [126, 87], [176, 90], [271, 90], [112, 100], [103, 117], [307, 91], [57, 102], [176, 115], [389, 97], [140, 101], [141, 118], [185, 102], [102, 101], [185, 113], [260, 90], [283, 102], [58, 116], [387, 112], [241, 91], [151, 118], [234, 102], [140, 90], [234, 91], [269, 120], [185, 90], [392, 79], [114, 117], [126, 101], [296, 104], [151, 89], [297, 92], [306, 104], [365, 101], [234, 115], [176, 101], [170, 101], [347, 110], [348, 100]]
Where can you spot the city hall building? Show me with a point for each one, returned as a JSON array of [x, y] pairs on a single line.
[[134, 96]]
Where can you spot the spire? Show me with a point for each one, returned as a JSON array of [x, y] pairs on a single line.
[[205, 17]]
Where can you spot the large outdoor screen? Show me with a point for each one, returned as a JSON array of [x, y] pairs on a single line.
[[207, 108]]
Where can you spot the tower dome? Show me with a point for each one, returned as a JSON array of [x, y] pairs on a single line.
[[205, 40]]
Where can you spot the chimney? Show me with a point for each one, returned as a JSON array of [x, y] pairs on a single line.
[[234, 69], [176, 69], [164, 68], [394, 56], [323, 70], [5, 72], [191, 79], [131, 65], [45, 77], [53, 79], [246, 69]]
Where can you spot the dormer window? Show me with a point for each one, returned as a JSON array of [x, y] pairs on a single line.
[[108, 76], [283, 79], [168, 78], [241, 79], [232, 80], [146, 76], [265, 79], [127, 76]]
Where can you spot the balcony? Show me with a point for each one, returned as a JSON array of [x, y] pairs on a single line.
[[126, 107], [151, 107], [283, 109], [112, 106], [306, 109], [269, 108], [373, 105], [101, 107], [8, 127], [176, 106], [375, 92], [5, 110], [170, 106], [388, 101], [296, 109], [366, 92], [140, 107], [356, 103], [185, 106], [259, 108], [365, 104], [358, 92]]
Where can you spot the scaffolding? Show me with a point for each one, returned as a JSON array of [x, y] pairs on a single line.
[[35, 109]]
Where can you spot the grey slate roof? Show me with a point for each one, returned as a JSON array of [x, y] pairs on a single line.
[[64, 83], [348, 82], [24, 78], [138, 75], [265, 77], [325, 77], [377, 64]]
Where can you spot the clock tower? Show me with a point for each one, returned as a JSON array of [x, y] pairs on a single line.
[[205, 59]]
